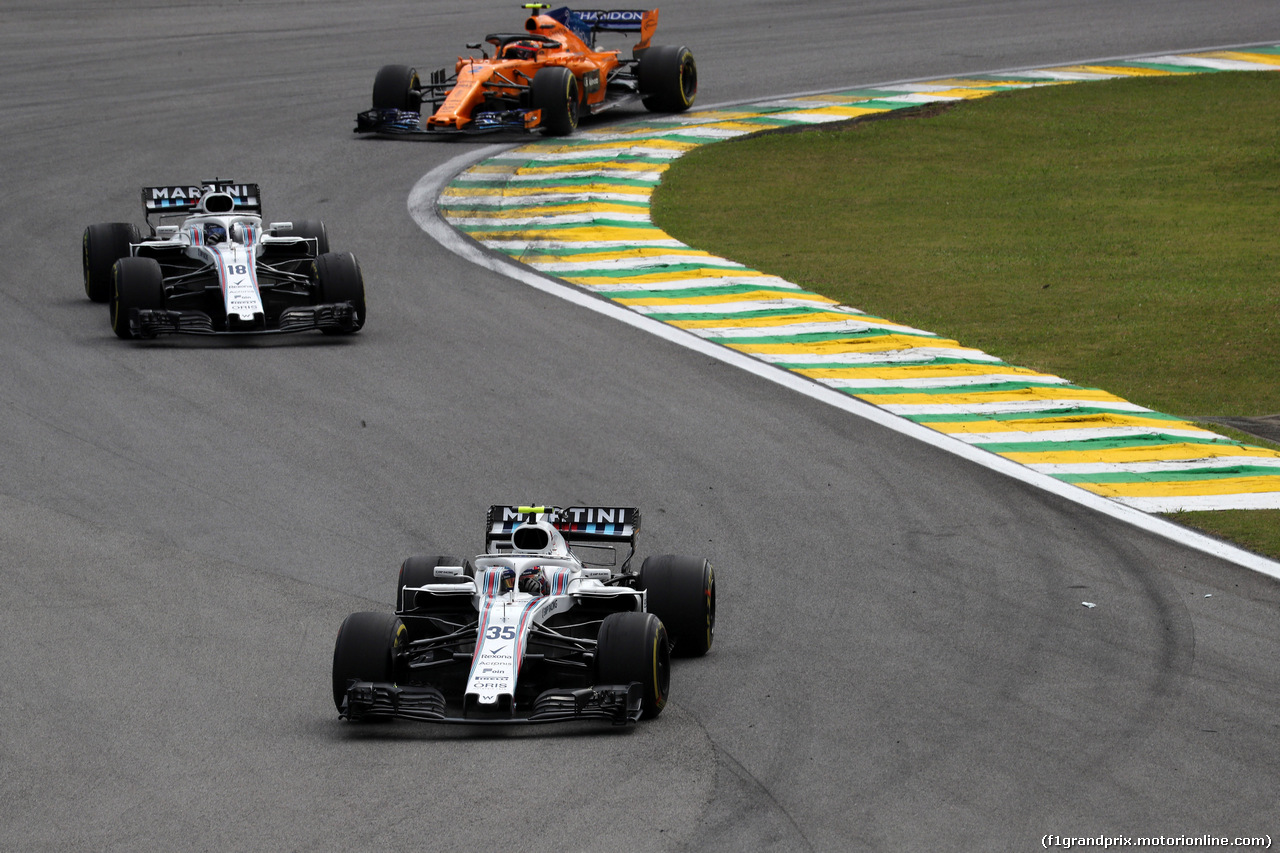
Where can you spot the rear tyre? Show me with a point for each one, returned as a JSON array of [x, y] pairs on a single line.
[[340, 280], [632, 646], [668, 79], [420, 571], [555, 91], [104, 244], [395, 88], [681, 591], [366, 650], [313, 229], [136, 283]]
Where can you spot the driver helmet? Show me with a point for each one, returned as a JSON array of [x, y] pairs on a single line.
[[533, 581], [523, 49], [506, 579], [214, 234]]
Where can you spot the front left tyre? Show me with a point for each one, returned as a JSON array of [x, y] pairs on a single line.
[[632, 647], [367, 648], [104, 244], [554, 91], [339, 279], [137, 283]]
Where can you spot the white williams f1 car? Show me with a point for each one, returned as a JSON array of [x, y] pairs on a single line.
[[209, 266], [539, 628]]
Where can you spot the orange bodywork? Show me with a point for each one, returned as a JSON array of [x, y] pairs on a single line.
[[480, 81]]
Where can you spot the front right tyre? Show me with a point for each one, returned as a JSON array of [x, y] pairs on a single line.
[[137, 283], [396, 88], [366, 650]]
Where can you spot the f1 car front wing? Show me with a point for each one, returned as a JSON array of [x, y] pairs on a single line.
[[408, 123], [615, 703], [147, 322]]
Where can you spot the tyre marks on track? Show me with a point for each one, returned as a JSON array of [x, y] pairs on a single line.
[[577, 209]]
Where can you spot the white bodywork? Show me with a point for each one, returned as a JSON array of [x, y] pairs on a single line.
[[507, 612], [234, 256]]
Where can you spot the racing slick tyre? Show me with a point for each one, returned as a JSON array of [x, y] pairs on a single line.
[[103, 245], [396, 88], [668, 79], [136, 283], [632, 646], [555, 91], [420, 571], [682, 593], [365, 651], [340, 280], [313, 229]]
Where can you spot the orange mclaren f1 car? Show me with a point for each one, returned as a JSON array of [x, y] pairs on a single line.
[[545, 78]]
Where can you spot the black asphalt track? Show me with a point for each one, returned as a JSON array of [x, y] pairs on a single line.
[[903, 659]]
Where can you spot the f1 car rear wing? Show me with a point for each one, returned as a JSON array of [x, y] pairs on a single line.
[[598, 526], [585, 23], [180, 199]]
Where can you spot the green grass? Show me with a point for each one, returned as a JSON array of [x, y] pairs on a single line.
[[1119, 234]]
